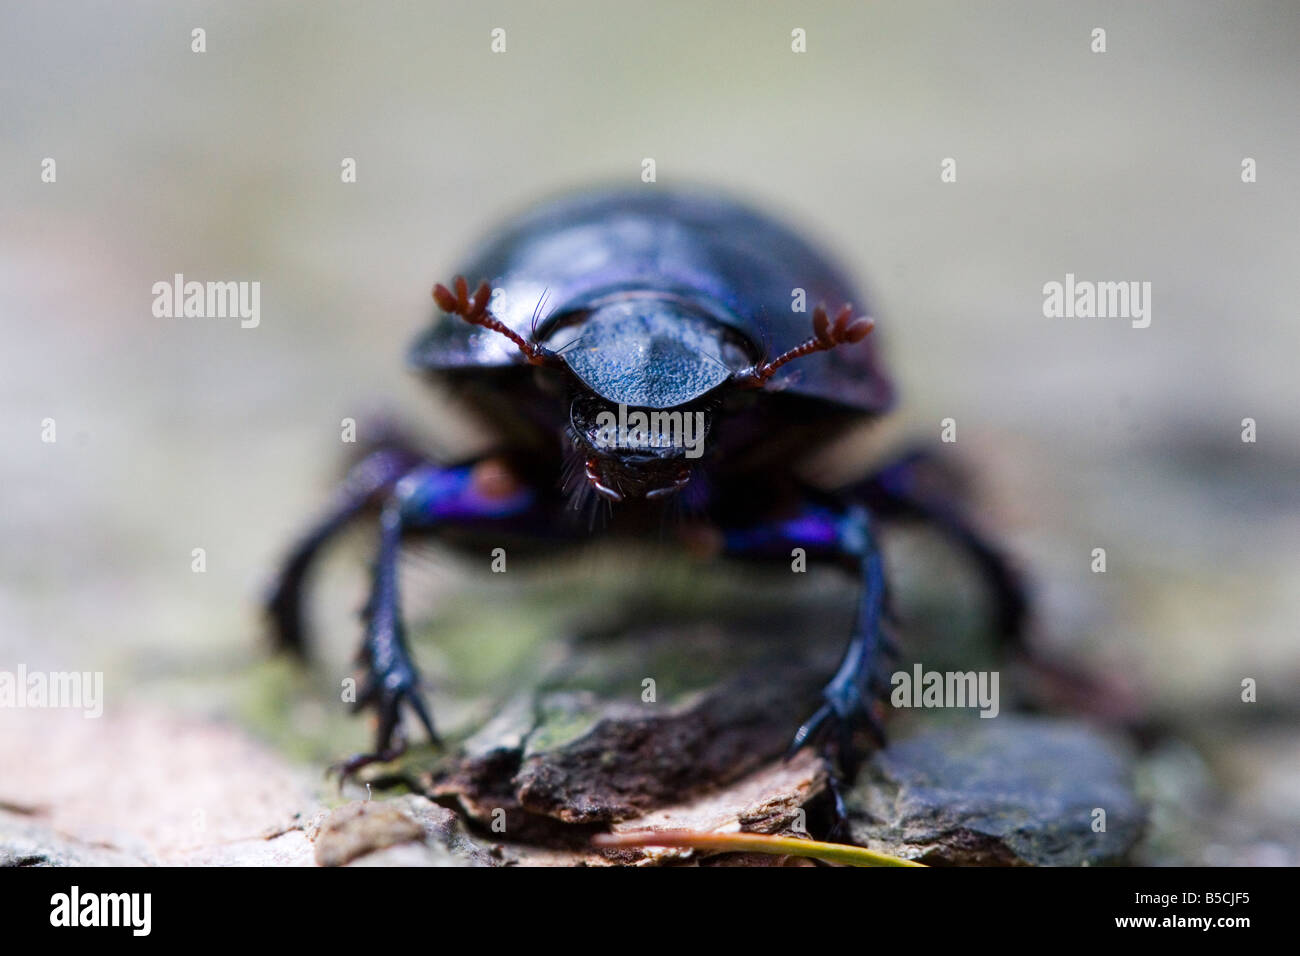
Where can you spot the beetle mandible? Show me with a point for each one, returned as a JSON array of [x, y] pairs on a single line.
[[677, 306]]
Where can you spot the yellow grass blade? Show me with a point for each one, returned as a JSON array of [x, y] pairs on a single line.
[[751, 843]]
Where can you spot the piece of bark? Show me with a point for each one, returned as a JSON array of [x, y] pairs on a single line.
[[563, 755]]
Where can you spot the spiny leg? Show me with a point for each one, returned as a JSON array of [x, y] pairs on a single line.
[[843, 534], [366, 484], [425, 499], [391, 677]]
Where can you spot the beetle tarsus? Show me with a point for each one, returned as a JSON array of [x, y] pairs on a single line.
[[808, 731], [833, 731], [840, 829], [834, 726], [347, 769], [387, 688]]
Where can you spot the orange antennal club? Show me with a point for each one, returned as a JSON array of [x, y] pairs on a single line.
[[475, 312], [826, 335]]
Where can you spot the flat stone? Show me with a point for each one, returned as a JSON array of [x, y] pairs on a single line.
[[1007, 791]]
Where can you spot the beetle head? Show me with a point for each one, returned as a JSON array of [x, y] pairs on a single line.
[[637, 452], [643, 365]]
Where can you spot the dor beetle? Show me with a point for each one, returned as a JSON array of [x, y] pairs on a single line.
[[640, 355]]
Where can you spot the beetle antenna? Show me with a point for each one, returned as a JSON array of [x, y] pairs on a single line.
[[475, 312], [826, 335]]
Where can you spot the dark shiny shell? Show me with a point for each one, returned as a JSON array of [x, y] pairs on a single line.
[[721, 258]]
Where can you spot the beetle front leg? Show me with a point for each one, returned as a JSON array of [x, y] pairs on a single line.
[[850, 699], [425, 499]]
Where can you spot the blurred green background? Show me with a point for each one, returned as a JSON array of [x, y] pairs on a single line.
[[183, 433]]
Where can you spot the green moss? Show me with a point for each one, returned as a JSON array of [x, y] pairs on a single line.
[[287, 705], [559, 721]]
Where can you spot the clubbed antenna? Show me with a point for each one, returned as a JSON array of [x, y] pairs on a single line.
[[826, 335], [475, 312]]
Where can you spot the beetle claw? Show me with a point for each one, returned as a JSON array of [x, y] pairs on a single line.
[[840, 830], [834, 724], [348, 769], [806, 733], [386, 690]]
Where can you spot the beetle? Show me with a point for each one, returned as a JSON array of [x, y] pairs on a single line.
[[666, 309]]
